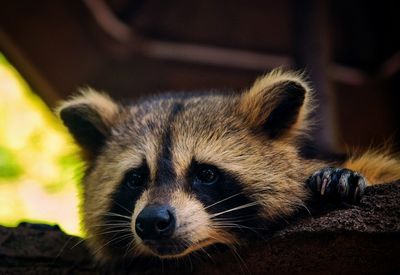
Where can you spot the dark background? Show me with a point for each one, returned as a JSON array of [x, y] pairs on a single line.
[[350, 49]]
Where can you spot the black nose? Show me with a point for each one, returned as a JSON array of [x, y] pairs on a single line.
[[155, 222]]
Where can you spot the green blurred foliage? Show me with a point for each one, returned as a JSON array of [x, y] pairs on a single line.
[[9, 167], [40, 167]]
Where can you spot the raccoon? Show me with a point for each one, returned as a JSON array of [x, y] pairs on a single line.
[[177, 173]]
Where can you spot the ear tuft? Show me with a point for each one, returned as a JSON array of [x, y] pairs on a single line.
[[277, 103], [89, 117]]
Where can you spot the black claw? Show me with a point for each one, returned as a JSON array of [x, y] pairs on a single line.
[[337, 184]]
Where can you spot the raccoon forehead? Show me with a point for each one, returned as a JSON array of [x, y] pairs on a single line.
[[206, 129], [142, 131], [146, 122], [206, 119]]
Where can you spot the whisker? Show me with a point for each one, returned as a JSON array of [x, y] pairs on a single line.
[[121, 224], [78, 243], [205, 252], [302, 204], [242, 227], [280, 216], [225, 199], [122, 237], [235, 225], [111, 214], [236, 219], [63, 248], [240, 260], [236, 208], [191, 264], [113, 231], [123, 207], [128, 248], [230, 218], [227, 222], [135, 252], [233, 219]]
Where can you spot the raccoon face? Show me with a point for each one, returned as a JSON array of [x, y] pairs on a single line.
[[170, 175]]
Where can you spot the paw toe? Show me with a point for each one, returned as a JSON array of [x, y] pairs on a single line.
[[338, 184]]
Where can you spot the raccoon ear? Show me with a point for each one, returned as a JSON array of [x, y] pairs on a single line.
[[277, 103], [89, 117]]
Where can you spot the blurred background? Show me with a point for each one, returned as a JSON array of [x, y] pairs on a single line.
[[131, 48]]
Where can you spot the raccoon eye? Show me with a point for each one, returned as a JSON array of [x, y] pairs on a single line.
[[207, 174], [135, 178]]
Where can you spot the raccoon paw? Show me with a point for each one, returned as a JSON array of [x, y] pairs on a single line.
[[338, 184]]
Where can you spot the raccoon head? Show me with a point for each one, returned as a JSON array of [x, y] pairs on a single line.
[[172, 174]]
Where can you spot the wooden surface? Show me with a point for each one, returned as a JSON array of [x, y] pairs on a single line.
[[347, 240]]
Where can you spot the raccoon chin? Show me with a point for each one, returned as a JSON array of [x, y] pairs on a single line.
[[170, 250]]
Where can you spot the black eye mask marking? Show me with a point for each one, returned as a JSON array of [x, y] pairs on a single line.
[[122, 206], [222, 194]]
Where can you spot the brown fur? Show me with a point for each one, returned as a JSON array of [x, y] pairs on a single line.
[[378, 166], [221, 130]]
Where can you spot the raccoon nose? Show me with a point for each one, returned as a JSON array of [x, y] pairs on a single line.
[[155, 222]]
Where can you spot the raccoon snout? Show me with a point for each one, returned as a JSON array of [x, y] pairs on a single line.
[[155, 222]]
